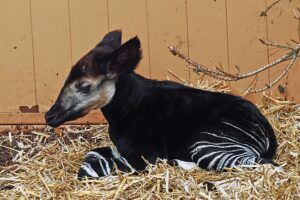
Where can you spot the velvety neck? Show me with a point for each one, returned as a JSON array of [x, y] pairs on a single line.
[[127, 96]]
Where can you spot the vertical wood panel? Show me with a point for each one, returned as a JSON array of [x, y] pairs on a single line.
[[167, 26], [207, 33], [52, 48], [282, 28], [131, 17], [245, 28], [16, 56], [88, 25]]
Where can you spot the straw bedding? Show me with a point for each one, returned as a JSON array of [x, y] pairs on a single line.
[[40, 162]]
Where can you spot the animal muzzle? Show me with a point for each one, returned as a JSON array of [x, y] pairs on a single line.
[[53, 116]]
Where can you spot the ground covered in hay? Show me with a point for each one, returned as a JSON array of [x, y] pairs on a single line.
[[40, 162]]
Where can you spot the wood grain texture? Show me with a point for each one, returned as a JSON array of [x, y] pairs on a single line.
[[52, 48], [89, 23], [245, 27], [167, 26], [207, 34], [41, 40], [16, 56]]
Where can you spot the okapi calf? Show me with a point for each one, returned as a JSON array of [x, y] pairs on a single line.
[[158, 119]]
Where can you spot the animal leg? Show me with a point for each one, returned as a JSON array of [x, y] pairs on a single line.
[[102, 162]]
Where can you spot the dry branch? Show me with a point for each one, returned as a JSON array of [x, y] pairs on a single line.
[[265, 12], [218, 73]]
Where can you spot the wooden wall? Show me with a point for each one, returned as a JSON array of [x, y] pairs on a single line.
[[41, 40]]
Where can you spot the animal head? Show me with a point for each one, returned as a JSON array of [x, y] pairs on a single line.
[[91, 82]]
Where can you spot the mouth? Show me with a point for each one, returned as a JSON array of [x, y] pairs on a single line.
[[55, 120]]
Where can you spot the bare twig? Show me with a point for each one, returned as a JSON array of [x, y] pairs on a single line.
[[222, 75], [275, 44], [250, 86], [176, 76], [265, 12], [278, 78]]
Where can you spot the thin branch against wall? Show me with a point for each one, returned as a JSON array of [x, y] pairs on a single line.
[[218, 73], [265, 12], [176, 76]]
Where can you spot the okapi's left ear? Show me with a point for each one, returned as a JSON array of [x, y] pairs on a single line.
[[124, 59], [112, 39]]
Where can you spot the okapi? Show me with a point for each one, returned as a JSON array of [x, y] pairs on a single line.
[[150, 119]]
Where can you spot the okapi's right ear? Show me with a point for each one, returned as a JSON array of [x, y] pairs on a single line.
[[112, 39]]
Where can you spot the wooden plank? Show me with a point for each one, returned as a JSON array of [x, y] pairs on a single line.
[[131, 17], [245, 27], [16, 56], [283, 27], [38, 119], [167, 26], [52, 48], [89, 23], [207, 34]]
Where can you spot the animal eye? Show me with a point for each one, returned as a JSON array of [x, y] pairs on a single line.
[[85, 88]]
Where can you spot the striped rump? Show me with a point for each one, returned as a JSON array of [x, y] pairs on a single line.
[[227, 145]]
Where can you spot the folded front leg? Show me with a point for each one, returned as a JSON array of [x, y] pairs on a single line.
[[102, 162]]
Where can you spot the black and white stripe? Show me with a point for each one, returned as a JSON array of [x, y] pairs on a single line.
[[229, 145], [102, 162], [258, 139]]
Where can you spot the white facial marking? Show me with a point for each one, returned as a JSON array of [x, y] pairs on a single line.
[[69, 93], [100, 94], [97, 98], [110, 89]]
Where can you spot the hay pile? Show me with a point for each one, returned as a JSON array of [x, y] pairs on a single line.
[[39, 162]]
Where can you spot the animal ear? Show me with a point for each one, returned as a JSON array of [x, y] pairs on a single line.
[[122, 60], [112, 39]]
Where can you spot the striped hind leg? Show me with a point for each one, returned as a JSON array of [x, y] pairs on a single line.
[[214, 151], [102, 162]]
